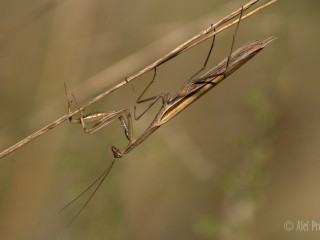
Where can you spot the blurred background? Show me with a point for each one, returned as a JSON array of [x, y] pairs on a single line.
[[237, 164]]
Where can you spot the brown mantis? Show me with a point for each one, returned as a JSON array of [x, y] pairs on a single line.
[[171, 106]]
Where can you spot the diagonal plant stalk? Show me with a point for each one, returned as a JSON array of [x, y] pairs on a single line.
[[213, 30]]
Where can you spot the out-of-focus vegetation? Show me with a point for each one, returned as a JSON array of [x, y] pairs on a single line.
[[237, 164]]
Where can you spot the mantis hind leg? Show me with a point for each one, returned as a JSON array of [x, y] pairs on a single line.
[[233, 40], [207, 79]]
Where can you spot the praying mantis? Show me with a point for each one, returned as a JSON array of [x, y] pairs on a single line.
[[171, 106]]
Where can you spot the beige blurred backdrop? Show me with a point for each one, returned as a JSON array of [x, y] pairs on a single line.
[[237, 164]]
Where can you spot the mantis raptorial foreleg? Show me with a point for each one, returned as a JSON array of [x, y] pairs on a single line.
[[102, 119]]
